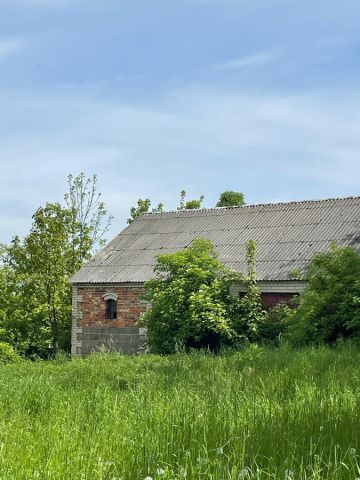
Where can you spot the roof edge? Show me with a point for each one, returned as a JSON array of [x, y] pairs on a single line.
[[253, 205]]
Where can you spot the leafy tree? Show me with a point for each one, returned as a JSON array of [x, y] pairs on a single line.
[[230, 198], [89, 219], [35, 294], [329, 308], [38, 269], [190, 204], [143, 206], [191, 304]]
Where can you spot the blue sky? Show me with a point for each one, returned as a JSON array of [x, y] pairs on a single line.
[[159, 96]]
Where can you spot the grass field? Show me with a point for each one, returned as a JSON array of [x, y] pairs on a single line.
[[259, 413]]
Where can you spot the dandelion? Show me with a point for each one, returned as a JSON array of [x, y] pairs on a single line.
[[160, 471]]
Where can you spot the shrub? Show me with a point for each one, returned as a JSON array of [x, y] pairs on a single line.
[[191, 304], [329, 308], [8, 354]]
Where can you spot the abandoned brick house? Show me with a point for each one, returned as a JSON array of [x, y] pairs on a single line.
[[107, 290]]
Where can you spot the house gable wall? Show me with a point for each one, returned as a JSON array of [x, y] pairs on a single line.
[[91, 330]]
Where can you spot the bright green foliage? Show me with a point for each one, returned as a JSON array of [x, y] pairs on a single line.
[[8, 354], [89, 219], [191, 304], [35, 294], [250, 314], [143, 206], [38, 268], [190, 204], [329, 308], [230, 198], [258, 413]]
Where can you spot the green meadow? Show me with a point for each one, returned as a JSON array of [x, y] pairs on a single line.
[[259, 413]]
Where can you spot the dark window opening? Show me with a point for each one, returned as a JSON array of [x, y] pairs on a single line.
[[111, 307]]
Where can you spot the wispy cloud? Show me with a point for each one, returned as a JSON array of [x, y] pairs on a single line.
[[195, 138], [8, 46], [255, 60]]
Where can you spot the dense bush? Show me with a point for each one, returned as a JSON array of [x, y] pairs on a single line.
[[192, 305], [8, 354], [329, 308]]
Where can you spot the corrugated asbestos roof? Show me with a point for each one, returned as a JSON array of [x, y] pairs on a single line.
[[287, 236]]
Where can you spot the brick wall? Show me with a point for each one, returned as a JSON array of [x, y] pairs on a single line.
[[91, 330], [129, 306]]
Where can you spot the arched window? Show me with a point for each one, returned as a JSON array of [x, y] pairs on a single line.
[[110, 306]]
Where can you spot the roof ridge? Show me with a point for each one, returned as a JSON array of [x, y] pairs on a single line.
[[254, 205]]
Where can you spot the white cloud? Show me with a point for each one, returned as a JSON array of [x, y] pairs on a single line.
[[256, 60], [271, 146]]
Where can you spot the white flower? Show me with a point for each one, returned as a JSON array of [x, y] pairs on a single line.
[[148, 478], [220, 450], [160, 471]]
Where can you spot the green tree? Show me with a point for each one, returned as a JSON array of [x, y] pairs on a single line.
[[35, 294], [143, 206], [39, 267], [89, 218], [230, 198], [191, 304], [190, 204], [329, 308]]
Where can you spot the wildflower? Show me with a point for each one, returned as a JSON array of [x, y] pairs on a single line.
[[321, 428], [220, 450], [352, 451], [148, 478], [160, 471]]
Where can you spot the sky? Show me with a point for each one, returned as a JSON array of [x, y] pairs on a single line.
[[158, 96]]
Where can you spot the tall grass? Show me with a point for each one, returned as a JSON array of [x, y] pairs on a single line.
[[259, 413]]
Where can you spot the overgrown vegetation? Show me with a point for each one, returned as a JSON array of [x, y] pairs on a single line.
[[35, 293], [329, 308], [258, 413], [192, 304]]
